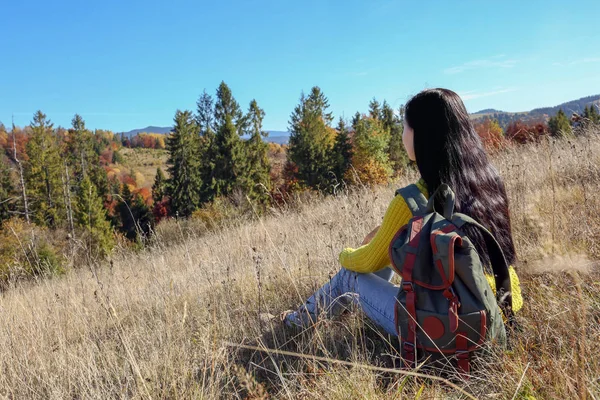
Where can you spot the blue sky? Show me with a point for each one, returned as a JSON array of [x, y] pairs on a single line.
[[128, 64]]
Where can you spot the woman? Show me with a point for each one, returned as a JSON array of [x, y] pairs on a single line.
[[439, 136]]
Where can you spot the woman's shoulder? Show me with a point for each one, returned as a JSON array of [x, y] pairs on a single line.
[[409, 190], [420, 184]]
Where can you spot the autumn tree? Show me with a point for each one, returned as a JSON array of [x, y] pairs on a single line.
[[370, 159], [311, 140], [183, 165], [91, 216], [559, 125], [522, 133], [491, 134], [43, 173]]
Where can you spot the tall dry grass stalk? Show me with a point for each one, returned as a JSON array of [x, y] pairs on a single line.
[[158, 323]]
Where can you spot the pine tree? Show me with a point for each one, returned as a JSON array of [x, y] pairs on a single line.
[[136, 217], [81, 154], [230, 160], [7, 191], [355, 120], [205, 115], [124, 209], [91, 215], [594, 115], [226, 106], [183, 165], [560, 125], [394, 124], [341, 153], [43, 173], [83, 158], [207, 147], [256, 179], [311, 140], [159, 186], [375, 109]]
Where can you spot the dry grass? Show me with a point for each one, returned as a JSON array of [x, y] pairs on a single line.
[[143, 161], [156, 324]]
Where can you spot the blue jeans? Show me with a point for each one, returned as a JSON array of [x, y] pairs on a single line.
[[374, 293]]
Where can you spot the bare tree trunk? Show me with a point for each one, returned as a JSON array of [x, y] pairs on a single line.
[[23, 191]]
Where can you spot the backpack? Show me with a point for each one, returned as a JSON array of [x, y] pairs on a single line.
[[445, 309]]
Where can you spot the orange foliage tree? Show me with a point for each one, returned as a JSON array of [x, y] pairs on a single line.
[[520, 132], [370, 160], [491, 134]]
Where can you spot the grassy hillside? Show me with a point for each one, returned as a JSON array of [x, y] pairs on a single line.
[[144, 162], [158, 323]]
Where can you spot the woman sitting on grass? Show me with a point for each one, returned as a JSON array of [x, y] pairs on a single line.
[[439, 136]]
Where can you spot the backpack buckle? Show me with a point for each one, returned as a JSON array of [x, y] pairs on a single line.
[[408, 286], [462, 354]]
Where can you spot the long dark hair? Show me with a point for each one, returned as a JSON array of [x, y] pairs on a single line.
[[448, 150]]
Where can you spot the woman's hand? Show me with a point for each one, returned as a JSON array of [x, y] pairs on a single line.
[[370, 236]]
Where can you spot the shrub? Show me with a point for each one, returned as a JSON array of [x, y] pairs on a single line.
[[27, 250]]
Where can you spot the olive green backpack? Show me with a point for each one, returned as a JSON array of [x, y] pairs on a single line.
[[445, 309]]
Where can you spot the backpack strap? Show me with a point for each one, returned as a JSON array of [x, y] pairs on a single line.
[[499, 264], [409, 343], [415, 200]]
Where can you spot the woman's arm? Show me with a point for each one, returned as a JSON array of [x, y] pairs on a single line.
[[370, 236], [373, 255]]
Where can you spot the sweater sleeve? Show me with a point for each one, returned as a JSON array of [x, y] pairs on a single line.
[[374, 256], [517, 297]]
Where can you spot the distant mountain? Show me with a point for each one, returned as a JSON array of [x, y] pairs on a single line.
[[574, 106], [280, 137], [538, 114], [487, 111], [149, 129]]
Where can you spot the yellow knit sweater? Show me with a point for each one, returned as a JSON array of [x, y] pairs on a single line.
[[374, 256]]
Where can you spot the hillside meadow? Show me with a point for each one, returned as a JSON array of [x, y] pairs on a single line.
[[167, 321]]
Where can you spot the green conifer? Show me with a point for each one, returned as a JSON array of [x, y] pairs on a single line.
[[394, 124], [256, 179], [230, 160], [594, 114], [183, 165], [311, 140], [559, 125], [341, 153], [159, 186], [207, 149], [43, 173], [90, 214]]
